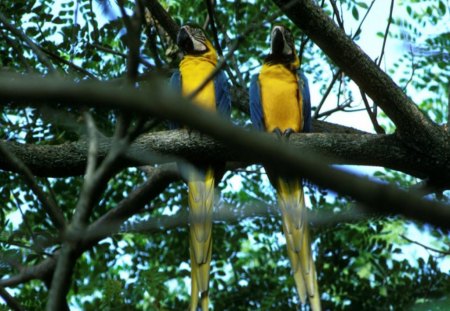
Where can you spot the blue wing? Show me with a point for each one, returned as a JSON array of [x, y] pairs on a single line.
[[256, 112], [222, 92], [304, 88], [175, 84]]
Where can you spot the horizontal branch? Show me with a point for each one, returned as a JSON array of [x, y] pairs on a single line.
[[159, 101], [228, 215], [69, 159]]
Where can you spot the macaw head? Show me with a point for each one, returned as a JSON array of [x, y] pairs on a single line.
[[192, 40], [281, 42]]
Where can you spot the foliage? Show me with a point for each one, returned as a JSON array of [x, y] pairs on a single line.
[[361, 265]]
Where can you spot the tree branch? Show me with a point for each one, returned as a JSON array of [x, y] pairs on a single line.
[[255, 146], [163, 17], [20, 34], [10, 301], [69, 159], [445, 253], [352, 149], [47, 202]]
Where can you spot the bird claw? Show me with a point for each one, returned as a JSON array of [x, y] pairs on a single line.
[[278, 133], [287, 133], [283, 136], [192, 133]]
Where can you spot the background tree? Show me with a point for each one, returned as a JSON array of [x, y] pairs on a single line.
[[94, 210]]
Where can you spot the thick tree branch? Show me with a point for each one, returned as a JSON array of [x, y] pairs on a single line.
[[163, 18], [352, 149], [69, 159], [42, 270], [159, 101]]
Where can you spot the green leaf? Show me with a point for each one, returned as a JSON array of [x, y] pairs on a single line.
[[355, 13]]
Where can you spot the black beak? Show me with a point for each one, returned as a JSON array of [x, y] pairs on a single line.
[[277, 42], [184, 41]]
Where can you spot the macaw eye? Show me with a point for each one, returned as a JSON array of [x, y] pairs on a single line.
[[287, 35]]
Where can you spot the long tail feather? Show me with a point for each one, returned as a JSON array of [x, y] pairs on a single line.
[[295, 228], [201, 201]]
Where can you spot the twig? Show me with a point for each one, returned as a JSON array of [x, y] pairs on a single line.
[[36, 49], [68, 63], [133, 26], [48, 204], [19, 51], [327, 92], [336, 12], [212, 24], [391, 9], [372, 115], [363, 19], [446, 253], [10, 301], [123, 55], [448, 106], [25, 246], [93, 146], [339, 107]]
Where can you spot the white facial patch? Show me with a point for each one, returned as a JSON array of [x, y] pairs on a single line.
[[287, 50], [198, 39]]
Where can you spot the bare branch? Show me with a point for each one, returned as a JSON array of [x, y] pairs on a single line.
[[327, 92], [10, 301], [48, 204], [445, 253], [372, 115], [20, 34], [391, 9], [163, 17], [336, 13], [228, 215]]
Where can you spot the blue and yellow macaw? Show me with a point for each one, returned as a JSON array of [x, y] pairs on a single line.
[[280, 103], [199, 60]]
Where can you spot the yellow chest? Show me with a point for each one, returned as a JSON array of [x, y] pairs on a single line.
[[194, 70], [281, 100]]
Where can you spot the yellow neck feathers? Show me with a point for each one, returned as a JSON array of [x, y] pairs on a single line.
[[194, 70]]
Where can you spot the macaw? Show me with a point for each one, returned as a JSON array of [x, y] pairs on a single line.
[[200, 59], [280, 103]]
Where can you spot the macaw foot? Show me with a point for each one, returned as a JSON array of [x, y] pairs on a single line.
[[278, 133], [192, 133], [287, 133]]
